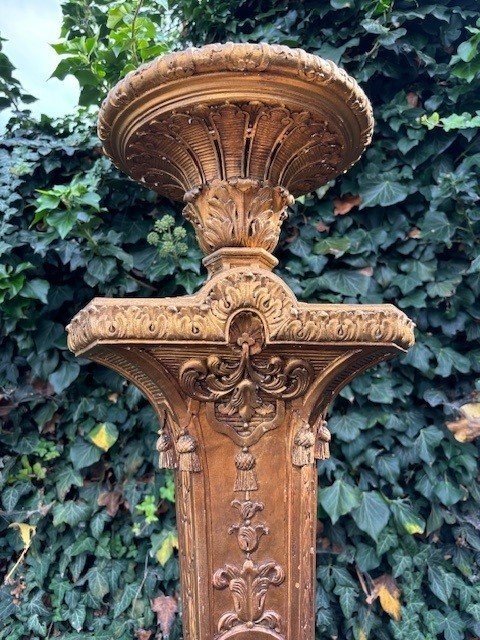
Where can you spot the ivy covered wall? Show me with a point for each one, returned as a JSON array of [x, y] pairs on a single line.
[[87, 527]]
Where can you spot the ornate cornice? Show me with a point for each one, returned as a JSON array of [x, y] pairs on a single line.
[[183, 119], [205, 316]]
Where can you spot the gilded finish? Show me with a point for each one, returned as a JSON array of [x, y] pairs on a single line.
[[222, 112], [240, 374]]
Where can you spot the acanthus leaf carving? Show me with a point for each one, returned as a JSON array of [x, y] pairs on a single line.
[[249, 585], [237, 213]]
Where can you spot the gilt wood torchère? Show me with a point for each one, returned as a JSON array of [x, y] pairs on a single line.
[[240, 374]]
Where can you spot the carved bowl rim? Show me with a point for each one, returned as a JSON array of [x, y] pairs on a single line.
[[136, 98]]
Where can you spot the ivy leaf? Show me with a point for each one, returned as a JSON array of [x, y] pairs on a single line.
[[449, 359], [126, 598], [336, 246], [71, 512], [348, 283], [98, 583], [165, 551], [406, 518], [372, 515], [348, 600], [347, 427], [65, 480], [77, 617], [339, 499], [7, 606], [436, 227], [427, 440], [37, 289], [62, 221], [448, 493], [454, 627], [440, 583], [83, 454], [384, 189], [104, 435], [63, 377]]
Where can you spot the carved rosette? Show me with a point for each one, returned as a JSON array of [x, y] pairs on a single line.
[[239, 213]]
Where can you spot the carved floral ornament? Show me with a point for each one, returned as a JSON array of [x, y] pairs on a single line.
[[250, 582]]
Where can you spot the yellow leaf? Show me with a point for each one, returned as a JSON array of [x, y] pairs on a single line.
[[165, 551], [413, 527], [362, 635], [471, 410], [27, 531], [104, 435], [390, 602]]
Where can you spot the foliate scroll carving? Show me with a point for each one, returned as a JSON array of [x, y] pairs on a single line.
[[238, 213], [250, 582], [247, 386], [249, 585]]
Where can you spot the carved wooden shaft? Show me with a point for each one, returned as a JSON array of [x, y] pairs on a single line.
[[240, 373]]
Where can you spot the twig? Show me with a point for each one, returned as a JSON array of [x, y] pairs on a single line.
[[134, 43]]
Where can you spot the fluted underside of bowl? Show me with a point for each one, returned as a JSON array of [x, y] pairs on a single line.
[[223, 112]]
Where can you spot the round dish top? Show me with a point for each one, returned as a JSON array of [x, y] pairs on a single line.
[[227, 111]]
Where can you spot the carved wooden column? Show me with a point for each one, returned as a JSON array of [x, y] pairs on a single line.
[[240, 373]]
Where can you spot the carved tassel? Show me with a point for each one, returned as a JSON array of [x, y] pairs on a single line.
[[322, 442], [166, 452], [303, 442], [246, 477], [188, 459]]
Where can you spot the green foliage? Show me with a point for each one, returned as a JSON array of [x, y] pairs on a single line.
[[11, 92], [103, 40], [399, 498]]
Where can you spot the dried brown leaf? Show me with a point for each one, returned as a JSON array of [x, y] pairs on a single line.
[[386, 590], [341, 206], [111, 500], [165, 607], [413, 99]]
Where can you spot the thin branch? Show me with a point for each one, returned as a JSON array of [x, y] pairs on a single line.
[[134, 43]]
